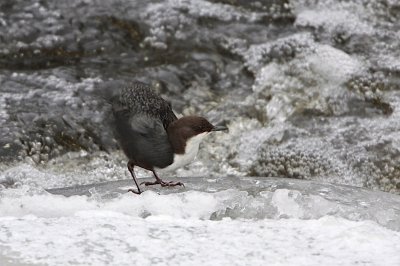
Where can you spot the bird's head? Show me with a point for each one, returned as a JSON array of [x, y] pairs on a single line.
[[193, 128]]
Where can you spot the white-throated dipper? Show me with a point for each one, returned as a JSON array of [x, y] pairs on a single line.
[[150, 134]]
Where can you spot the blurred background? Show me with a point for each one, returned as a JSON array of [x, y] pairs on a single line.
[[309, 89]]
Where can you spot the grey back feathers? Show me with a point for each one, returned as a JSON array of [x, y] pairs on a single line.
[[141, 118], [139, 98]]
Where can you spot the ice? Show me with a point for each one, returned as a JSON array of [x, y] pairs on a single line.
[[202, 198], [285, 203], [103, 238]]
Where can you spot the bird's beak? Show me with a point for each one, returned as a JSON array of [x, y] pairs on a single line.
[[219, 128]]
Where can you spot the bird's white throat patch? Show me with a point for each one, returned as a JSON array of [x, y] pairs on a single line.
[[191, 149]]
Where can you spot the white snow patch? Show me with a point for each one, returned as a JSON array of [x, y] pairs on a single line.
[[104, 238]]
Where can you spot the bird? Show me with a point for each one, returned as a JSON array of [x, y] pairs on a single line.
[[150, 134]]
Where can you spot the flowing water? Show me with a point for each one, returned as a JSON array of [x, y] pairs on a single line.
[[307, 175]]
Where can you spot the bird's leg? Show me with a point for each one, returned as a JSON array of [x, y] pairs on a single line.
[[130, 168], [161, 182]]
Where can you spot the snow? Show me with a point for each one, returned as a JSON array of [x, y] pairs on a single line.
[[105, 237]]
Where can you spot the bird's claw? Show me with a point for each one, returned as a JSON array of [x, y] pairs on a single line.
[[172, 184], [134, 192], [148, 183], [163, 183]]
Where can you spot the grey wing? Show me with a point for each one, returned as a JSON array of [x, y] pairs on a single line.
[[136, 97], [144, 139], [139, 97]]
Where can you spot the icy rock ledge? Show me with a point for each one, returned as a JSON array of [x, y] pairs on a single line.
[[212, 221], [213, 199]]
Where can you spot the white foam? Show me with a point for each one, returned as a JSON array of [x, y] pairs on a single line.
[[333, 65], [331, 19], [158, 15]]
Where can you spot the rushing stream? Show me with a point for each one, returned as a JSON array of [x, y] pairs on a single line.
[[309, 173]]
